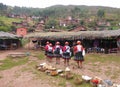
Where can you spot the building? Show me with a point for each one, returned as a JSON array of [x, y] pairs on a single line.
[[9, 41], [21, 32]]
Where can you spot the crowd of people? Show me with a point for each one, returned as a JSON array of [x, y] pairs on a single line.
[[64, 52]]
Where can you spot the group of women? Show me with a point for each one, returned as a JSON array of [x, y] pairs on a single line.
[[64, 52]]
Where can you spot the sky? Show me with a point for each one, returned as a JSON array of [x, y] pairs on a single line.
[[47, 3]]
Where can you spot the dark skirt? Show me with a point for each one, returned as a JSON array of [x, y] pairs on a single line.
[[78, 56], [50, 54], [57, 55], [66, 55]]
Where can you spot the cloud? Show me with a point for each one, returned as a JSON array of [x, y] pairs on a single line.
[[47, 3]]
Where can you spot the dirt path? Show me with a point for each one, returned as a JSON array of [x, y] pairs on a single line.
[[18, 77], [23, 76], [4, 54]]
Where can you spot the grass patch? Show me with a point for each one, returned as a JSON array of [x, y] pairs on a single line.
[[115, 74], [9, 63], [40, 55], [58, 81], [8, 21], [108, 73], [32, 64], [62, 83], [102, 58], [1, 76], [95, 60]]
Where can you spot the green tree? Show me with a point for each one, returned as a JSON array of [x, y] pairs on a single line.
[[3, 9], [51, 24], [82, 22], [2, 23], [13, 28], [92, 24], [4, 28], [101, 13]]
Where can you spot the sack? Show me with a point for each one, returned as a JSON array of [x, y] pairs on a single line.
[[83, 52], [57, 51]]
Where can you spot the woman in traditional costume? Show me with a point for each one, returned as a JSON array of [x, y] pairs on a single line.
[[46, 49], [66, 54], [79, 53], [50, 52], [57, 52]]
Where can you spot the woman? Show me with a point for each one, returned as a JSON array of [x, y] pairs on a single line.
[[66, 54], [79, 52], [46, 49], [57, 52], [50, 52]]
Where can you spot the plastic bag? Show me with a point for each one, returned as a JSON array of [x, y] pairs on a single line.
[[83, 52]]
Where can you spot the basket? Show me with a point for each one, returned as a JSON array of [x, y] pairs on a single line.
[[42, 69], [78, 81], [69, 76], [53, 73]]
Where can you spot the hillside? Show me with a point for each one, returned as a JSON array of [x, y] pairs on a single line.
[[6, 23], [90, 17], [59, 10]]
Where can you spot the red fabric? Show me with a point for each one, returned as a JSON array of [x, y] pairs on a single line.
[[64, 49], [95, 81], [76, 49], [46, 47]]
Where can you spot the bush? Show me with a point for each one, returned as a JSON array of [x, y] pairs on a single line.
[[4, 28]]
